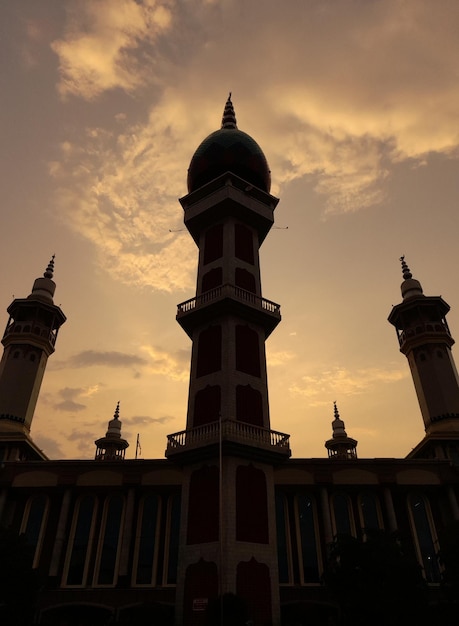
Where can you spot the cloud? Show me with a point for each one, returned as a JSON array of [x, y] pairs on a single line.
[[101, 48], [91, 358], [145, 420], [50, 446], [174, 365], [340, 381], [353, 89], [280, 357], [70, 395]]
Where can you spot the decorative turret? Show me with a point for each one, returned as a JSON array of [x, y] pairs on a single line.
[[340, 446], [426, 341], [112, 447], [29, 339]]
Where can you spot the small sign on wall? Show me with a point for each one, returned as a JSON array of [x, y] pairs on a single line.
[[200, 604]]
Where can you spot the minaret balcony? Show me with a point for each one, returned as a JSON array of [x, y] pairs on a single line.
[[235, 437], [425, 332], [228, 299]]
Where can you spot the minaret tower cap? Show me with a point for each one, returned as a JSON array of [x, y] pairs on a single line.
[[340, 446], [229, 116], [410, 287], [44, 288]]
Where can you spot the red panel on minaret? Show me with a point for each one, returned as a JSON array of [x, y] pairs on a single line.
[[201, 589], [209, 351], [207, 405], [251, 505], [247, 351], [249, 405], [203, 514], [254, 586]]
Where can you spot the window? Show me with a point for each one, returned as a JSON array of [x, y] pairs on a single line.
[[172, 539], [283, 538], [203, 505], [369, 510], [146, 546], [245, 279], [109, 541], [33, 524], [81, 536], [424, 536], [212, 279], [342, 516], [307, 539], [249, 405], [207, 405]]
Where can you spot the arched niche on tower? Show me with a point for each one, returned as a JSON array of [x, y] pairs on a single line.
[[245, 279], [247, 351], [243, 243], [207, 405], [201, 586], [203, 513], [212, 279], [249, 405], [253, 584], [251, 505], [209, 351], [213, 244]]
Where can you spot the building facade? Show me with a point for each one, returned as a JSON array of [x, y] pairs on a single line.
[[228, 528]]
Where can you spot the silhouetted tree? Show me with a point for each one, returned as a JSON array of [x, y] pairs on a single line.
[[18, 581], [375, 581]]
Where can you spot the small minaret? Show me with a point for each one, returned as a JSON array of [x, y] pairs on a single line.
[[112, 447], [340, 446], [426, 341], [29, 339]]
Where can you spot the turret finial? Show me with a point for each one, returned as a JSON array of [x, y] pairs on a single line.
[[116, 415], [49, 272], [335, 410], [229, 116], [410, 286], [405, 269]]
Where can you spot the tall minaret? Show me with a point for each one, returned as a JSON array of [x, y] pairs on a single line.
[[340, 446], [426, 341], [112, 447], [228, 542], [29, 339]]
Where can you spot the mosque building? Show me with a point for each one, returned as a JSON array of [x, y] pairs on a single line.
[[228, 528]]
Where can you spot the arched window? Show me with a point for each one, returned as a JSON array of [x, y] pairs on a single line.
[[283, 539], [33, 524], [172, 539], [370, 512], [146, 546], [307, 539], [80, 542], [245, 279], [212, 279], [109, 541], [342, 515], [425, 539]]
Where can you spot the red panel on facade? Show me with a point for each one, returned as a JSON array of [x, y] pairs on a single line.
[[254, 586], [203, 517], [201, 589], [213, 243], [245, 279], [209, 351], [207, 405], [249, 405], [243, 243], [247, 351], [212, 279], [251, 505]]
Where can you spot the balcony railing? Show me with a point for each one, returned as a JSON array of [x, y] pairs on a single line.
[[238, 432], [421, 329], [228, 291]]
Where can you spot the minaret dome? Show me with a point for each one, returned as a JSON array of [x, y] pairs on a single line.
[[229, 150]]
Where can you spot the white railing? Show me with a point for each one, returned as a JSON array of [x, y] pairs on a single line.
[[240, 432], [232, 291]]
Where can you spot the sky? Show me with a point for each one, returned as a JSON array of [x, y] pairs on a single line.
[[355, 104]]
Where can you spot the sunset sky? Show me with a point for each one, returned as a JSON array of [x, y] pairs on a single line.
[[356, 106]]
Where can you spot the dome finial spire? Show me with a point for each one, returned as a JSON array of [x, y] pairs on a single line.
[[410, 286], [229, 116], [49, 272]]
